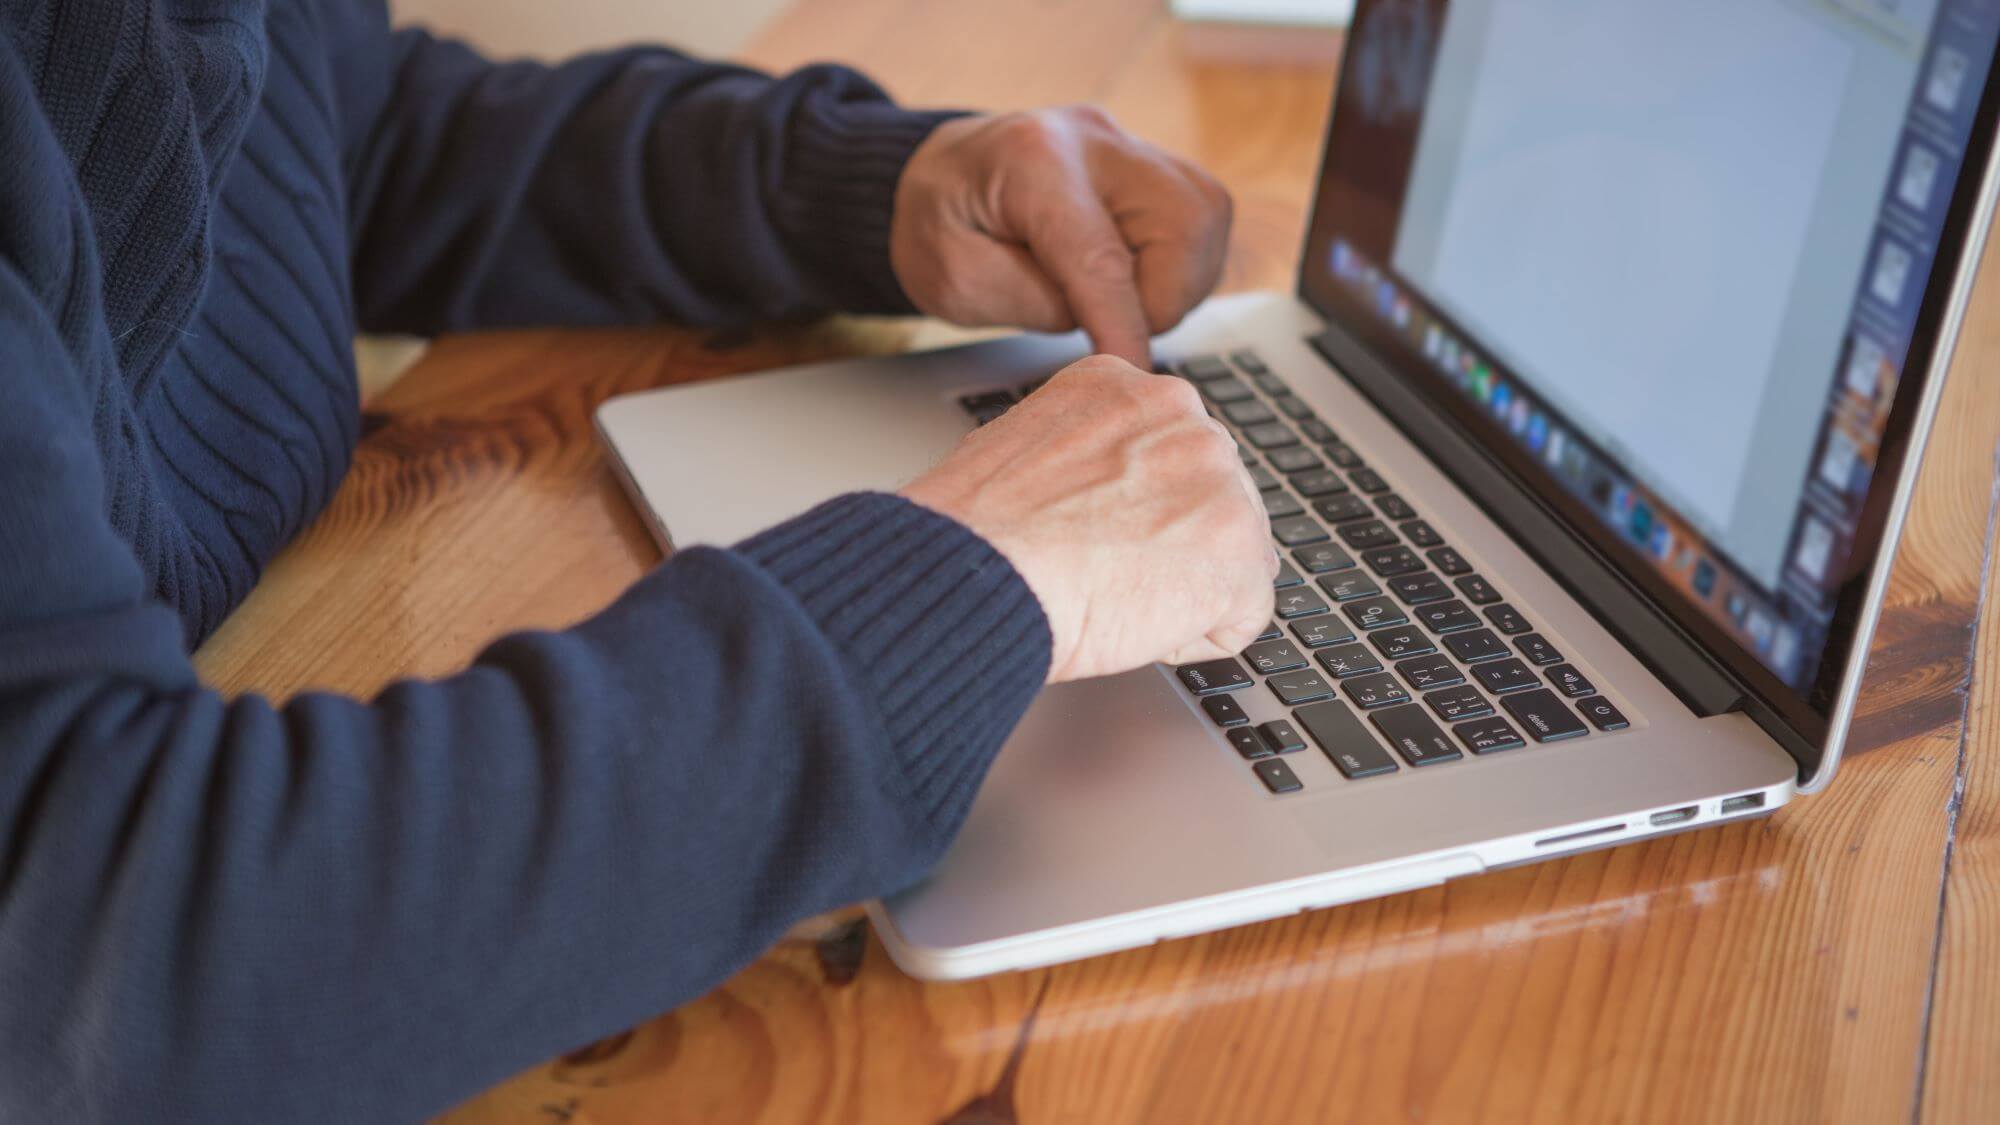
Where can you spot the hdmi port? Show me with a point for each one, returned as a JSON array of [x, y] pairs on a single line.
[[1744, 803], [1675, 816]]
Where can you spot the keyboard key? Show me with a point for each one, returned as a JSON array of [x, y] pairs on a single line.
[[1245, 454], [1300, 601], [1417, 589], [1546, 718], [1248, 744], [1204, 367], [1319, 632], [1373, 613], [1366, 534], [1271, 632], [1488, 736], [1368, 480], [1278, 777], [1270, 384], [1225, 710], [1280, 505], [1248, 362], [1211, 676], [1287, 577], [1421, 534], [1340, 509], [1414, 736], [1602, 714], [1294, 688], [1348, 586], [1315, 482], [1503, 676], [1318, 431], [1506, 619], [1379, 690], [1476, 645], [1422, 673], [1249, 412], [1274, 656], [1453, 704], [1570, 682], [1397, 508], [1391, 561], [987, 405], [1294, 458], [1449, 561], [1401, 641], [1536, 650], [1263, 478], [1321, 558], [1293, 406], [1477, 590], [1445, 617], [1342, 455], [1297, 531], [1346, 742], [1348, 660], [1280, 735], [1226, 390], [1270, 435]]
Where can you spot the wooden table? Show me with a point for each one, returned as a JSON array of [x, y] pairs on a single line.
[[1839, 961]]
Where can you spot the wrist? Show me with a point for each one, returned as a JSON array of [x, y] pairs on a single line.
[[846, 153], [955, 502]]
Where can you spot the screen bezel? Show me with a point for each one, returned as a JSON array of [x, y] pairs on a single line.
[[1809, 714]]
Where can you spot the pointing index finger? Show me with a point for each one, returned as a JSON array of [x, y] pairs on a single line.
[[1080, 247]]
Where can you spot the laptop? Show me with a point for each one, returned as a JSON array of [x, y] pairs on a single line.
[[1586, 436]]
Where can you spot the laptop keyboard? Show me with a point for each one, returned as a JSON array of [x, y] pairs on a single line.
[[1384, 637]]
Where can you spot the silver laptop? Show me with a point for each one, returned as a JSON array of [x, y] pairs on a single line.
[[1587, 436]]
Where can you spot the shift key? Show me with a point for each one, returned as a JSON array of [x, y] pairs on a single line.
[[1348, 743]]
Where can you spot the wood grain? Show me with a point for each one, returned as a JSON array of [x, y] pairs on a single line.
[[1962, 1057], [1775, 971]]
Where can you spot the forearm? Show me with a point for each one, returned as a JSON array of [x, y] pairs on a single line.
[[621, 187], [467, 876]]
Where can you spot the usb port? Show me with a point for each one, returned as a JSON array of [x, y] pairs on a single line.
[[1744, 803], [1675, 816]]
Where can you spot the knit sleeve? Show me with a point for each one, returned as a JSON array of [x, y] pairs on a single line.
[[620, 187], [367, 910]]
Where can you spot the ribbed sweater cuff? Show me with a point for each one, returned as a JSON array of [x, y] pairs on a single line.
[[951, 640], [842, 164]]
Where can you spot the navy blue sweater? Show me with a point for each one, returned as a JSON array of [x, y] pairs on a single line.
[[353, 910]]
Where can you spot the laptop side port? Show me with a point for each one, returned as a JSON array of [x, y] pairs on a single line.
[[1743, 803], [1675, 816], [1585, 834]]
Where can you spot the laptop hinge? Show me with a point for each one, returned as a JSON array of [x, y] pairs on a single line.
[[1660, 644]]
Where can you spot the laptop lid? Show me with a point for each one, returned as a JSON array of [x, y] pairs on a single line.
[[1683, 271]]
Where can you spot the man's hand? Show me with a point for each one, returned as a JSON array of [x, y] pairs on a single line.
[[1055, 220], [1128, 513]]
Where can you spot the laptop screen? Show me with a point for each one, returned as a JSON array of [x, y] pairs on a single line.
[[1676, 261]]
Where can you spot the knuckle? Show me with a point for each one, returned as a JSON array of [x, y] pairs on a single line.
[[1105, 261], [1026, 133], [1211, 453], [1098, 367], [1179, 394], [1092, 116]]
